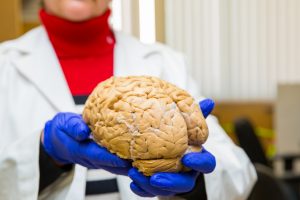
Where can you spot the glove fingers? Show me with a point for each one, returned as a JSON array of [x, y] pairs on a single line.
[[206, 106], [144, 183], [174, 182], [203, 162], [73, 125], [139, 191], [99, 156]]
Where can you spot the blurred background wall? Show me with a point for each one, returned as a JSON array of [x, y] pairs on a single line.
[[237, 49]]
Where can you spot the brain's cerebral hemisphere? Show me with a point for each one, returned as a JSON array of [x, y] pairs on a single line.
[[147, 120]]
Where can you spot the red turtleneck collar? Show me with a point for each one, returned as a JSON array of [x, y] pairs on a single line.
[[84, 49], [78, 38]]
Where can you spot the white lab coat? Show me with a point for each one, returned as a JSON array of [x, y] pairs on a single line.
[[33, 90]]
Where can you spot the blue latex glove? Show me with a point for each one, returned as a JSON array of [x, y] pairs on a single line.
[[169, 184], [66, 140]]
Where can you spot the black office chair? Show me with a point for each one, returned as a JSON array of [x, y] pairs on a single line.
[[249, 141], [270, 187]]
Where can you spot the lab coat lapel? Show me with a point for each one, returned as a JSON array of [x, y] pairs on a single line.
[[42, 68]]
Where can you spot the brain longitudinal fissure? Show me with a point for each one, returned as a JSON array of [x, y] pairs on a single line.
[[147, 120]]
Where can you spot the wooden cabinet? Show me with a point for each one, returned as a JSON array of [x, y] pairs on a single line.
[[17, 17], [10, 19]]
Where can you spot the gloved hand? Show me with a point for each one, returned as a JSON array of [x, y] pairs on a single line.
[[66, 140], [169, 184]]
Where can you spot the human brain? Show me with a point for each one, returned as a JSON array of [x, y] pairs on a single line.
[[147, 120]]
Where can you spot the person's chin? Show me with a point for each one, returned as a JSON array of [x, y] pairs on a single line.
[[78, 11], [78, 15]]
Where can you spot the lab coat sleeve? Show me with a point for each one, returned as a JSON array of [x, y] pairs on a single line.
[[19, 173], [234, 175]]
